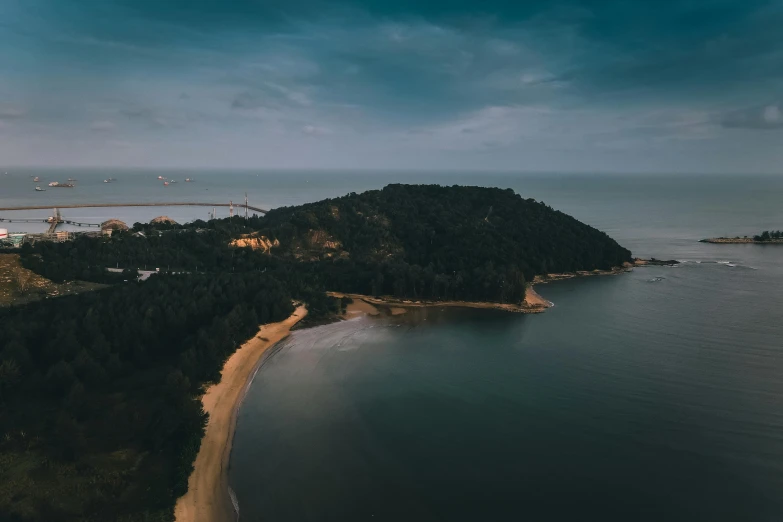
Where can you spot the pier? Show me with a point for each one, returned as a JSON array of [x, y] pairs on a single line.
[[56, 219], [119, 205]]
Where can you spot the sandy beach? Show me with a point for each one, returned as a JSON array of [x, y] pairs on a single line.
[[369, 305], [207, 499]]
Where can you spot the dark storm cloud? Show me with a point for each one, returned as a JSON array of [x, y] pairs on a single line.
[[459, 75]]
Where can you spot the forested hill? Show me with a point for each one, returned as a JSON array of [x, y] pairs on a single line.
[[463, 242], [413, 241], [100, 418]]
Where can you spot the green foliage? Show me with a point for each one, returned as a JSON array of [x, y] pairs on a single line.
[[415, 241], [86, 378], [769, 236], [99, 410], [434, 242]]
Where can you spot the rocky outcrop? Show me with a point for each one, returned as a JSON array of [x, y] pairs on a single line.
[[255, 242]]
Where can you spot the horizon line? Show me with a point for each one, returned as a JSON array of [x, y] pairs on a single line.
[[6, 169]]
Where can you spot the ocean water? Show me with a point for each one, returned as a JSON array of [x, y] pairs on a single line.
[[654, 395]]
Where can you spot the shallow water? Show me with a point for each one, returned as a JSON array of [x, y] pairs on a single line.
[[634, 398], [654, 395]]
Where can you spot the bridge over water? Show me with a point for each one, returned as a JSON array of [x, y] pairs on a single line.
[[57, 219], [119, 205]]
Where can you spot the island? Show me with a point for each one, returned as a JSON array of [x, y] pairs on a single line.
[[118, 400], [767, 237]]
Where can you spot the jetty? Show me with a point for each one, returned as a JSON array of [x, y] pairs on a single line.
[[161, 204], [57, 219]]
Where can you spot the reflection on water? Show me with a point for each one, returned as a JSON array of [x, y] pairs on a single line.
[[626, 401]]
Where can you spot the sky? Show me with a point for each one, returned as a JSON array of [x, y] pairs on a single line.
[[569, 86]]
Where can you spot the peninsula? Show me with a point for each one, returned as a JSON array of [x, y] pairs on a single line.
[[120, 401]]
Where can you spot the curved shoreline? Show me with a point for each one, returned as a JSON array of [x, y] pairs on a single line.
[[367, 304], [208, 498]]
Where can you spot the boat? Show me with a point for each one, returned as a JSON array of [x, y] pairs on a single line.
[[39, 189], [160, 177], [61, 185], [165, 183], [71, 179], [36, 179], [53, 183], [172, 181], [188, 180]]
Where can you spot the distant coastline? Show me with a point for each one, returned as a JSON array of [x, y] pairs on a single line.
[[767, 237], [533, 303], [740, 241]]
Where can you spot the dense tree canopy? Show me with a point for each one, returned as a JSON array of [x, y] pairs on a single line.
[[438, 242], [99, 410], [769, 236]]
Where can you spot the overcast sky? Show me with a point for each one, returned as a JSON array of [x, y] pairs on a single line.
[[613, 85]]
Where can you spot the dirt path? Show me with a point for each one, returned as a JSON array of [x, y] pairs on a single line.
[[207, 499]]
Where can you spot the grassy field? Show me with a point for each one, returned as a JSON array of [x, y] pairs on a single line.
[[19, 285]]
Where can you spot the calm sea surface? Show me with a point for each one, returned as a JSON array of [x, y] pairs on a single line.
[[655, 395]]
